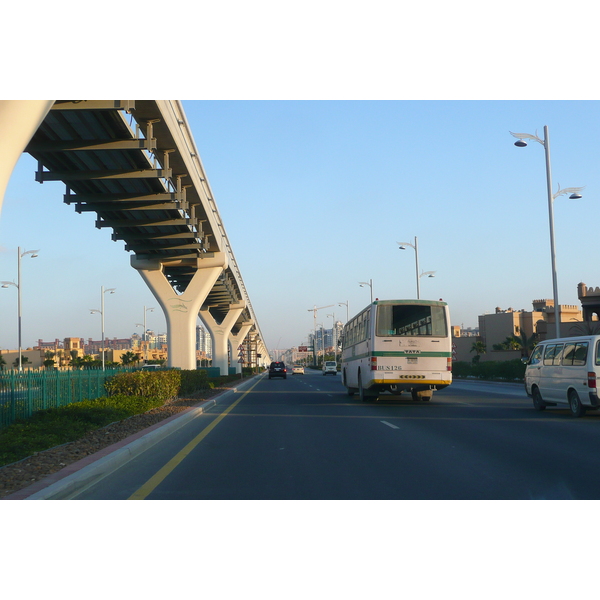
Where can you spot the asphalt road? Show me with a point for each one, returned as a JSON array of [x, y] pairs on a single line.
[[304, 438]]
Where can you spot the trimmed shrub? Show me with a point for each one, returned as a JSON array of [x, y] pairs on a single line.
[[192, 381], [504, 370], [156, 384]]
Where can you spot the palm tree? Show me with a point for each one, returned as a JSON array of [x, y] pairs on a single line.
[[479, 348], [130, 357], [24, 361], [523, 343], [49, 359]]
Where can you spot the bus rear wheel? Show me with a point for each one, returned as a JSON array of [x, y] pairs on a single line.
[[362, 393], [349, 390]]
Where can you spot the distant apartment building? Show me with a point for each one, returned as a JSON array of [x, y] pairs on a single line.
[[203, 342]]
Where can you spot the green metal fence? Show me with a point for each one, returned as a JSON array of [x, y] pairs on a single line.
[[23, 393]]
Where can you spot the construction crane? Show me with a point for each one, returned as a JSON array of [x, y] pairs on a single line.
[[314, 311]]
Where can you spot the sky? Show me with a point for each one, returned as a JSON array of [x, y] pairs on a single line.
[[315, 196]]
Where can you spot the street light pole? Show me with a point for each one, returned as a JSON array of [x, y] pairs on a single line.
[[347, 305], [334, 337], [144, 336], [520, 143], [101, 311], [5, 284], [370, 284], [415, 247]]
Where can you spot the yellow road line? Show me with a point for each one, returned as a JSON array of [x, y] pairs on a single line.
[[143, 492]]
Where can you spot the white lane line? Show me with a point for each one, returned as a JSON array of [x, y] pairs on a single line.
[[390, 425]]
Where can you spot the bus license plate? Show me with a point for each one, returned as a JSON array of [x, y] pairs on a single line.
[[412, 361]]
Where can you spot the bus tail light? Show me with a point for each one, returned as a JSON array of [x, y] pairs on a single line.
[[373, 363], [449, 364], [592, 380]]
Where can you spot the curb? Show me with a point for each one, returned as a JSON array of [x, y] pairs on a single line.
[[71, 480]]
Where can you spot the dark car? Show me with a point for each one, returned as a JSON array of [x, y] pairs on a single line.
[[277, 369]]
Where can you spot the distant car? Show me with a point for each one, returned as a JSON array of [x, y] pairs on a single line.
[[297, 370], [277, 369], [330, 367], [151, 367]]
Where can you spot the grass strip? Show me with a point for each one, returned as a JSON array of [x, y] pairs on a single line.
[[53, 427]]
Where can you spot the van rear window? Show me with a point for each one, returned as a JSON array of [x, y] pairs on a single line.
[[575, 354]]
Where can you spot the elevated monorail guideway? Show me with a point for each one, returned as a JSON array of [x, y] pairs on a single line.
[[135, 164]]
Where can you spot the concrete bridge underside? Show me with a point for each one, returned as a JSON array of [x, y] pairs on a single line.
[[147, 183]]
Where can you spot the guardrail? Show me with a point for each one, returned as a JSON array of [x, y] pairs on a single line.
[[23, 393]]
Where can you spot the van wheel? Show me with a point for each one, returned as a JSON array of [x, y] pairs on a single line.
[[538, 403], [577, 409]]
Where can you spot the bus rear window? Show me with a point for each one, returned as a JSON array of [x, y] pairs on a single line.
[[411, 320]]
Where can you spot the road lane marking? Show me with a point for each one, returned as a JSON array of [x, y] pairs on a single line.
[[390, 425], [143, 492]]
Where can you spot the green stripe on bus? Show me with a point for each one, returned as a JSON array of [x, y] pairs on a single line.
[[399, 354], [412, 354]]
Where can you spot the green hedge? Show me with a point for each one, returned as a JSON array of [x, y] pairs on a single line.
[[503, 370], [160, 384]]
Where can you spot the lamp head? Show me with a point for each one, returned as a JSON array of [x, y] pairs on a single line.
[[575, 196], [521, 143], [401, 247]]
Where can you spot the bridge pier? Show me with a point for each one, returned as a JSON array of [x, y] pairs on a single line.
[[220, 334], [19, 120], [181, 310], [236, 340]]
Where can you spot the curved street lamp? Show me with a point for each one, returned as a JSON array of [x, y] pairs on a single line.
[[415, 247], [575, 195], [5, 284], [101, 311], [370, 284], [144, 336], [347, 305]]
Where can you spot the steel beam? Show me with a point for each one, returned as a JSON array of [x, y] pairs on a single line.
[[83, 145], [41, 176]]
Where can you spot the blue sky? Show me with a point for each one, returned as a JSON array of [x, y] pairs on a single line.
[[314, 196]]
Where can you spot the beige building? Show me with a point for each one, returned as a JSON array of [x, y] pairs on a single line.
[[496, 327]]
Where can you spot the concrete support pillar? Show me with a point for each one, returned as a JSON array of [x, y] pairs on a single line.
[[236, 340], [220, 334], [181, 310], [19, 120]]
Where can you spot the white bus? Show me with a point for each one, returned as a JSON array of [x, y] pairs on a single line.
[[397, 346]]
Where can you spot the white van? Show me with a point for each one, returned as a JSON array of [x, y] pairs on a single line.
[[330, 367], [564, 371]]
